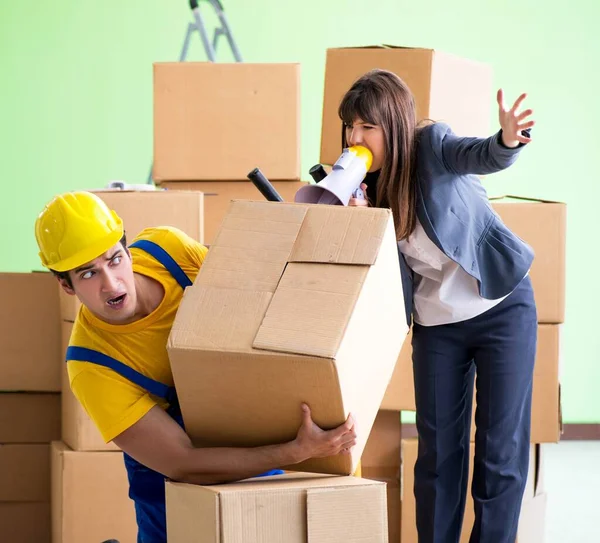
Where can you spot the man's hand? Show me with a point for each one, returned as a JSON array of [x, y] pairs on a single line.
[[512, 122], [313, 442]]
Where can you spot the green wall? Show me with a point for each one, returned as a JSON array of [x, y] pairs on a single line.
[[76, 107]]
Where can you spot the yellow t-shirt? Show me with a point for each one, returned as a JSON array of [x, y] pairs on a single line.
[[113, 402]]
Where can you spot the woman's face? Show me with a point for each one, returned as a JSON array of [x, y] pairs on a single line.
[[369, 136]]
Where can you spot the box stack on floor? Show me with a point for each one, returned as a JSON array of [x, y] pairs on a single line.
[[29, 403], [459, 92]]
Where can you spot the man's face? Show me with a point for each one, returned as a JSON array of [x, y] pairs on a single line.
[[106, 286]]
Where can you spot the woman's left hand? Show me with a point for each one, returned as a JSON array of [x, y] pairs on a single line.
[[513, 122]]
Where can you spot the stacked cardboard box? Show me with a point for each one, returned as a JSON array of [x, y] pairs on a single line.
[[29, 403], [214, 123], [459, 92]]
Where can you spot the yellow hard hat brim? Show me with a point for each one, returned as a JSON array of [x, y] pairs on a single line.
[[86, 255]]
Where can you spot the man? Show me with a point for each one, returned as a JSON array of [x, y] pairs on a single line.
[[117, 356]]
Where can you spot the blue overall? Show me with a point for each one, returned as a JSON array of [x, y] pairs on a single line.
[[146, 487]]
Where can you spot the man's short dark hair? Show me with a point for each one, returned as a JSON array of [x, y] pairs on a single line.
[[67, 278]]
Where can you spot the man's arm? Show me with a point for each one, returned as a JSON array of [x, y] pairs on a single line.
[[159, 443]]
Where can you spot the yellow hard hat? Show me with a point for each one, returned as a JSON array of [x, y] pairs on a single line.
[[74, 228]]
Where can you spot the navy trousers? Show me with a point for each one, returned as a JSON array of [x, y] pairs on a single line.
[[499, 347]]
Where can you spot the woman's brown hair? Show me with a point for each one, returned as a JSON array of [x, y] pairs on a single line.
[[381, 98]]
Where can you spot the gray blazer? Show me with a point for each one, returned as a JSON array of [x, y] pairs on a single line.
[[453, 208]]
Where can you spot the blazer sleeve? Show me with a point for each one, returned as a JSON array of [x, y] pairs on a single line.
[[464, 156]]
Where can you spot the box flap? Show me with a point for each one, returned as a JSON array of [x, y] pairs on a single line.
[[523, 198], [351, 514], [218, 319], [341, 235], [253, 245], [311, 308], [381, 46]]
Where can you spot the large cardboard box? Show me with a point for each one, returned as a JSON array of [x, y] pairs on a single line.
[[381, 461], [90, 500], [529, 509], [546, 415], [24, 473], [542, 224], [446, 88], [287, 308], [78, 430], [30, 311], [23, 522], [27, 417], [294, 508], [219, 194], [220, 121], [143, 209]]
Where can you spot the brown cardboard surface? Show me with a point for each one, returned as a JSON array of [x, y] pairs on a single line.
[[219, 121], [546, 423], [144, 209], [218, 196], [90, 500], [383, 446], [30, 305], [543, 226], [235, 336], [391, 478], [381, 461], [400, 393], [23, 522], [288, 508], [27, 417], [78, 430], [408, 524], [446, 88], [25, 473]]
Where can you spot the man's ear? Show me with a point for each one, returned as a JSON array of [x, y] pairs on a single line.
[[65, 286]]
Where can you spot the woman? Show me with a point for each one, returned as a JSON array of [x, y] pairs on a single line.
[[467, 287]]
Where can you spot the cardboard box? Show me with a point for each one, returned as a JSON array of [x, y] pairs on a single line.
[[219, 121], [25, 473], [446, 88], [294, 508], [546, 417], [381, 461], [400, 393], [78, 430], [144, 209], [219, 194], [278, 315], [29, 417], [30, 306], [90, 500], [25, 522], [408, 524], [542, 224]]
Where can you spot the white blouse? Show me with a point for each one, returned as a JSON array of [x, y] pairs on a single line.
[[443, 292]]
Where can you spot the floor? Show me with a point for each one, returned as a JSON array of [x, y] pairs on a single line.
[[572, 481]]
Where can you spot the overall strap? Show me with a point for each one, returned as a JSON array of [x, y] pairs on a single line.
[[165, 259], [95, 357]]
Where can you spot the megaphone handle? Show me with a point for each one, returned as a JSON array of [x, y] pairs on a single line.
[[264, 186], [359, 194]]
